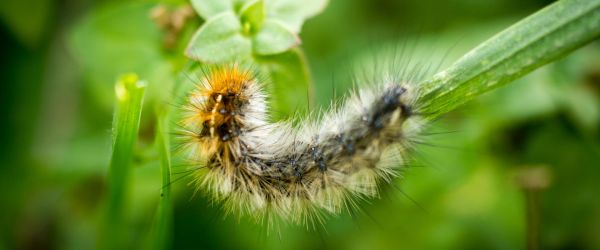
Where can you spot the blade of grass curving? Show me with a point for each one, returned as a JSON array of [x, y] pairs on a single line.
[[161, 233], [541, 38], [130, 94]]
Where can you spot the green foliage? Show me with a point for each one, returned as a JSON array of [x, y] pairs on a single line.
[[236, 30], [290, 86], [107, 48], [262, 32], [273, 38], [161, 233], [130, 95], [208, 9], [220, 39], [252, 16], [31, 27], [537, 40], [56, 144]]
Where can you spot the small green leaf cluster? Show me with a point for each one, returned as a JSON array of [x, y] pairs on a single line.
[[239, 29]]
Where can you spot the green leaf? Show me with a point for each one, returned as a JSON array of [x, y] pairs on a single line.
[[130, 95], [219, 40], [291, 84], [274, 38], [209, 8], [253, 16], [293, 13], [225, 37], [537, 40]]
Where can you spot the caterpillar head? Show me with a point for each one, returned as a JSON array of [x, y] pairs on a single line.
[[215, 108]]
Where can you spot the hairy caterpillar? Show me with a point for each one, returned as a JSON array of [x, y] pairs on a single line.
[[294, 171]]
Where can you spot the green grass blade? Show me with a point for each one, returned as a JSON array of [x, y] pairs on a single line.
[[130, 94], [543, 37], [161, 234]]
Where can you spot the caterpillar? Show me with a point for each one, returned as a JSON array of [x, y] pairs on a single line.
[[296, 171]]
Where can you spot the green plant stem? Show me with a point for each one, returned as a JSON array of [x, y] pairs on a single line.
[[541, 38], [130, 94], [162, 229]]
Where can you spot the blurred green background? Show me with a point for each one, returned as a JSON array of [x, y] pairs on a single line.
[[471, 189]]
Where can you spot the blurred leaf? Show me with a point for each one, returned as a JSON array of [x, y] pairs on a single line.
[[219, 40], [291, 87], [274, 38], [253, 16], [580, 100], [526, 98], [292, 12], [27, 22], [584, 106], [209, 8]]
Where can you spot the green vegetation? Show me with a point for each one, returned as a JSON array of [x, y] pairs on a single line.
[[511, 168], [129, 92], [537, 40]]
